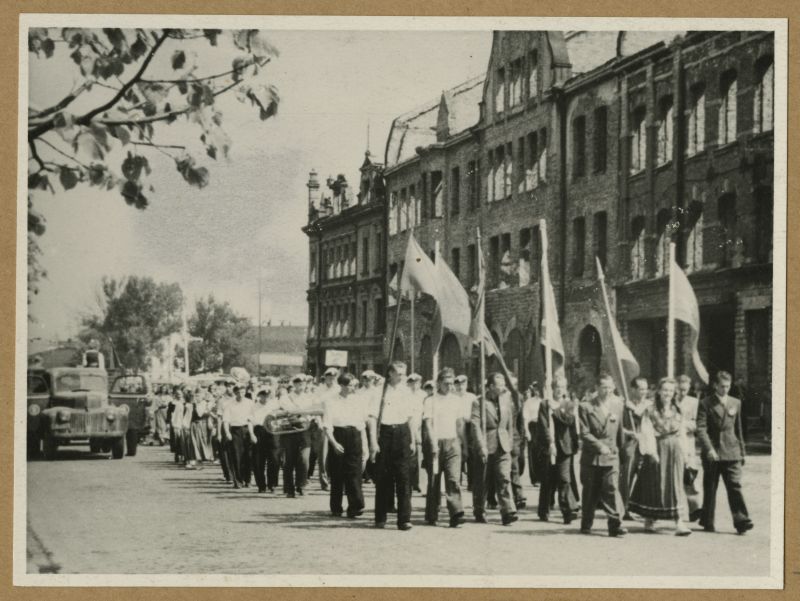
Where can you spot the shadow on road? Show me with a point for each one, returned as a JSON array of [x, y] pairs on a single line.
[[310, 520]]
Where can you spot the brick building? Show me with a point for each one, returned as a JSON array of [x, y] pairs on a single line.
[[347, 275], [622, 142]]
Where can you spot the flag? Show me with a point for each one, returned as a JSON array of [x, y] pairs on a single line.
[[551, 332], [685, 309], [478, 324], [437, 280], [622, 358]]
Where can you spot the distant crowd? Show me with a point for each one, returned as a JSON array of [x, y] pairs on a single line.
[[641, 457]]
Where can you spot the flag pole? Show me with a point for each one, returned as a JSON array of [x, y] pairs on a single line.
[[482, 349], [548, 355], [602, 279], [412, 352], [391, 348], [671, 316], [435, 357]]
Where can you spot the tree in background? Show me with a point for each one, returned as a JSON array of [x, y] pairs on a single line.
[[130, 85], [223, 335], [135, 313]]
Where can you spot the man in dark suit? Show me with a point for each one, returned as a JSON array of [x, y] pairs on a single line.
[[719, 430], [493, 453], [601, 432], [557, 434]]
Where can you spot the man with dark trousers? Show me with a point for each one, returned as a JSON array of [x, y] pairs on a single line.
[[493, 452], [601, 432], [719, 430], [392, 441], [557, 434], [236, 420]]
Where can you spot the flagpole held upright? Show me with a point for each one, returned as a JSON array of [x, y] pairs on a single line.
[[671, 315], [482, 346], [602, 279], [391, 351], [435, 357], [547, 393]]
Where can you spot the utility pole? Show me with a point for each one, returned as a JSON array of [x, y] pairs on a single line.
[[259, 327]]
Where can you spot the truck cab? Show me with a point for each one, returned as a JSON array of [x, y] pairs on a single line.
[[133, 393]]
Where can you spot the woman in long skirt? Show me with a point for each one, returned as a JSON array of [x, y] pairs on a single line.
[[657, 492], [186, 431], [161, 425], [201, 438], [175, 413]]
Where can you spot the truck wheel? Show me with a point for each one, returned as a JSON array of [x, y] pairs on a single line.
[[50, 447], [34, 445], [95, 446], [118, 448], [132, 442]]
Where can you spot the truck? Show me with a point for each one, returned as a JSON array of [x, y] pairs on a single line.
[[67, 404], [133, 392]]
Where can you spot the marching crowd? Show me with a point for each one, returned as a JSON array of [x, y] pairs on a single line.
[[637, 457]]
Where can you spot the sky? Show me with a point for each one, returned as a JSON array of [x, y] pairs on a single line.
[[245, 224]]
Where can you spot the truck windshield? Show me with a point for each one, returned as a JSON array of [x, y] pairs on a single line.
[[78, 382], [128, 385]]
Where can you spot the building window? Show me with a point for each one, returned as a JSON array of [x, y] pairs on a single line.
[[473, 184], [455, 261], [508, 267], [437, 193], [729, 239], [533, 74], [416, 204], [638, 260], [364, 318], [455, 190], [638, 140], [424, 209], [378, 251], [763, 100], [508, 171], [312, 267], [600, 138], [696, 120], [499, 174], [664, 140], [694, 238], [380, 316], [524, 265], [351, 320], [403, 209], [600, 237], [579, 236], [521, 176], [393, 214], [365, 256], [726, 122], [579, 146], [516, 89], [500, 91], [764, 218], [494, 262], [542, 171], [664, 227], [472, 266], [490, 178], [532, 168]]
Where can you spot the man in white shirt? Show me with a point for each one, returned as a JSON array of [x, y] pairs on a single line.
[[319, 442], [260, 451], [392, 430], [443, 420], [236, 419], [468, 398], [414, 382], [688, 405]]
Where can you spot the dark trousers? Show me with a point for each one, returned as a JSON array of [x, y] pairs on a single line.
[[731, 472], [496, 470], [557, 478], [628, 460], [259, 452], [393, 467], [240, 455], [448, 460], [517, 469], [600, 485], [273, 460], [344, 470], [221, 453], [295, 461], [318, 454]]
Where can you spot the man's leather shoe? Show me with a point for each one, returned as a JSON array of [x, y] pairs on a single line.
[[618, 531], [480, 518], [380, 524], [510, 519], [586, 530], [405, 526], [457, 520]]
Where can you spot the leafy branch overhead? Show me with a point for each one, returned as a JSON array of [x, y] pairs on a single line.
[[129, 85]]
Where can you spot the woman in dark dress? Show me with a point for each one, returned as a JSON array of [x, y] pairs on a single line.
[[657, 491]]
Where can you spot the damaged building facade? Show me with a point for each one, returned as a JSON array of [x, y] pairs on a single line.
[[347, 273], [623, 142]]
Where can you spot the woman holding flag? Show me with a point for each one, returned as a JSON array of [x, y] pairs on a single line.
[[657, 492]]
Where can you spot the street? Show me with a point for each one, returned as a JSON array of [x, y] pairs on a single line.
[[145, 515]]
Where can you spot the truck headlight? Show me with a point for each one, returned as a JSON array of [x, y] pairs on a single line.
[[124, 408], [63, 416], [111, 416], [34, 410]]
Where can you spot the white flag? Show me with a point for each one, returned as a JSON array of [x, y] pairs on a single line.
[[685, 309]]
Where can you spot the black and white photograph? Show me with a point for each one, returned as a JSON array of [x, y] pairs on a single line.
[[391, 301]]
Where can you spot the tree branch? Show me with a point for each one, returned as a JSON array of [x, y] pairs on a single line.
[[256, 61], [85, 119], [61, 152], [35, 156], [64, 102], [154, 145]]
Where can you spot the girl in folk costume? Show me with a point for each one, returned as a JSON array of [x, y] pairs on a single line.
[[186, 430], [657, 491], [175, 419], [199, 428]]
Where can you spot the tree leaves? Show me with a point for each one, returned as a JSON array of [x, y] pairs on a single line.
[[201, 94], [68, 177], [265, 97], [39, 181], [132, 193], [39, 41], [178, 59], [133, 166], [195, 176], [255, 42]]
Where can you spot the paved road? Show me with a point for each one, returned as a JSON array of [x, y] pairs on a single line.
[[90, 514]]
